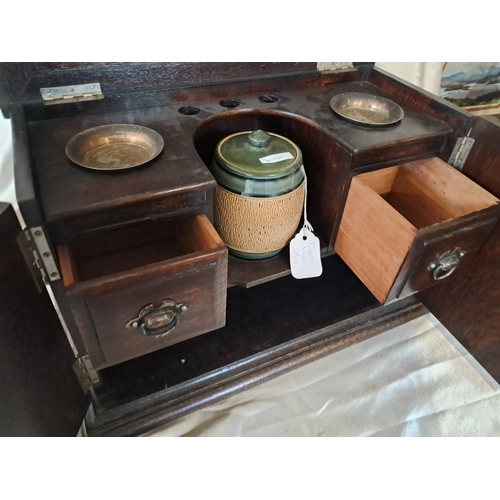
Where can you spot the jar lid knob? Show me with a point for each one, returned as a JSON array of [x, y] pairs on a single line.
[[259, 138]]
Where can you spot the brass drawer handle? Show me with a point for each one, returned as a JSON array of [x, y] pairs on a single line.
[[158, 322], [446, 264]]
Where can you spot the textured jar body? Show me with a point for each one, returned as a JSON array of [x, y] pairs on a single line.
[[257, 210]]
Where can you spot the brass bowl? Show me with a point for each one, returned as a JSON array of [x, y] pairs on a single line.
[[366, 109], [114, 147]]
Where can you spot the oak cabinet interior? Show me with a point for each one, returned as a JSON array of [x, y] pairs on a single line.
[[147, 288], [399, 221]]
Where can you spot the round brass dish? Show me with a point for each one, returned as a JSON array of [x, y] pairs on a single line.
[[114, 147], [366, 108]]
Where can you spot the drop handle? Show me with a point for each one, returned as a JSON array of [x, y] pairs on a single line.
[[446, 264], [158, 322]]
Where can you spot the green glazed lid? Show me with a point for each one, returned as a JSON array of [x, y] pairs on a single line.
[[258, 155]]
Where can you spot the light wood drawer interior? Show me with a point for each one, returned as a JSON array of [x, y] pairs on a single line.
[[392, 214]]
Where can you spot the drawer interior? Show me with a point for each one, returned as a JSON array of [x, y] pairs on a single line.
[[125, 249], [428, 192], [386, 211]]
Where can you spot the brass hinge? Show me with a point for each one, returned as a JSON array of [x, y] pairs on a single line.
[[330, 67], [461, 151], [39, 256], [86, 373], [71, 93]]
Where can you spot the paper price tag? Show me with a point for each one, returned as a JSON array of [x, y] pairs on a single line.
[[276, 158], [305, 259]]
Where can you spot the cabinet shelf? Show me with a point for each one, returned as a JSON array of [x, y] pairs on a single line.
[[249, 273]]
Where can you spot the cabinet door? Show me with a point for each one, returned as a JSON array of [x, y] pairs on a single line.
[[468, 304], [39, 393]]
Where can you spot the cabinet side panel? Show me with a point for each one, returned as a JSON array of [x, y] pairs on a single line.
[[39, 392], [27, 192], [469, 306]]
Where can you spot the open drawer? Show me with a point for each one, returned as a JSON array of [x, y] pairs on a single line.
[[134, 290], [406, 228]]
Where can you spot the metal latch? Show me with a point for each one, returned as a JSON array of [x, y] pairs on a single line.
[[461, 151], [38, 256], [86, 373], [72, 93], [330, 67]]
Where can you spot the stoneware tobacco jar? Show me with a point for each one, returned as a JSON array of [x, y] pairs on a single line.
[[260, 194]]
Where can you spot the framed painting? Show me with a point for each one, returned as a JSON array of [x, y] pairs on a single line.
[[472, 85]]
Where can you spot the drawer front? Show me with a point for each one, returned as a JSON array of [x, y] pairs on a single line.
[[141, 288], [444, 256], [132, 322]]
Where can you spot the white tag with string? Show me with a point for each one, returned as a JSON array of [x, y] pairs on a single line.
[[305, 258]]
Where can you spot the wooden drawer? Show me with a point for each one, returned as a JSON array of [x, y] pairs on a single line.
[[135, 290], [408, 227]]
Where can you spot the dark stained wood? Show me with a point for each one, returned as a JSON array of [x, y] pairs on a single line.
[[248, 273], [169, 405], [257, 319], [206, 97], [198, 381], [26, 183], [111, 278], [326, 162], [469, 304], [39, 393], [105, 193], [13, 79], [120, 77], [173, 184], [281, 323], [469, 239], [458, 119], [417, 134], [483, 162]]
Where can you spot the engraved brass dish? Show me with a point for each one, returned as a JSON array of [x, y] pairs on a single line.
[[366, 109], [114, 147]]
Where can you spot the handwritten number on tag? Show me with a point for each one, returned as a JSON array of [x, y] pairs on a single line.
[[305, 258]]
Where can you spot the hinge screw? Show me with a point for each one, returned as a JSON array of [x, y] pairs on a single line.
[[46, 254], [53, 275], [38, 232]]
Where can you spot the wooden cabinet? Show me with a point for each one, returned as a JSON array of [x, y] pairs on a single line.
[[161, 320]]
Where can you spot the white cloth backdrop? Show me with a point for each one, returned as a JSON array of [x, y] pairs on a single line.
[[6, 162], [413, 380]]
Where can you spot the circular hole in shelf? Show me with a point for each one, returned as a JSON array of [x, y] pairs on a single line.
[[189, 110], [230, 103], [269, 98]]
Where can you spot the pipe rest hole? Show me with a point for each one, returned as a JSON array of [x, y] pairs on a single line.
[[189, 110], [269, 98], [230, 103]]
